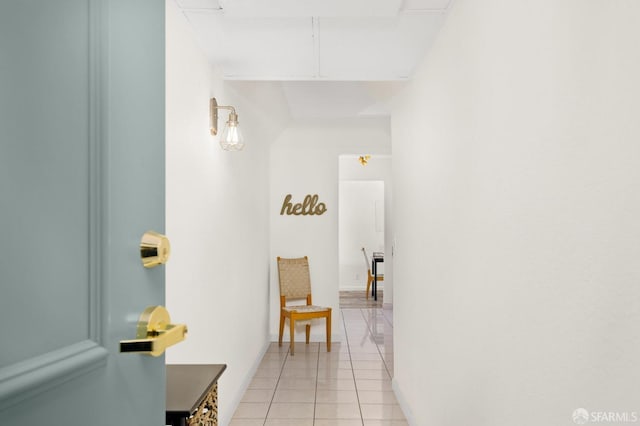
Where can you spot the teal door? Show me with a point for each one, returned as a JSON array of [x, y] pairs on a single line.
[[81, 180]]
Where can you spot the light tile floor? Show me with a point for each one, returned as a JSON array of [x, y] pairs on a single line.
[[349, 386]]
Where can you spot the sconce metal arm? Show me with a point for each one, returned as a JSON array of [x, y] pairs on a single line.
[[213, 115]]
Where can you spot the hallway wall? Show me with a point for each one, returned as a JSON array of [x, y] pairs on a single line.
[[516, 200], [217, 216]]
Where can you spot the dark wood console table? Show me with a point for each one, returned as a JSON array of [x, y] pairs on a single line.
[[192, 394]]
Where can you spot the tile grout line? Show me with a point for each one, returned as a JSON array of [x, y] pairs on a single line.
[[384, 360], [387, 319], [266, 416], [353, 374], [386, 367], [315, 395]]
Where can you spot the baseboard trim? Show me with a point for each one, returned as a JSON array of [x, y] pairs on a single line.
[[313, 338], [247, 380], [358, 288], [402, 401]]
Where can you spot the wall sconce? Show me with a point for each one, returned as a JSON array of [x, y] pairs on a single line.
[[230, 139], [364, 159]]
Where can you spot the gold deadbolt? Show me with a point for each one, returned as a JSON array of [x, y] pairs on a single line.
[[155, 333], [154, 249]]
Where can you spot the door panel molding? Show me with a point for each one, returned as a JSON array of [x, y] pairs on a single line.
[[24, 379], [97, 138]]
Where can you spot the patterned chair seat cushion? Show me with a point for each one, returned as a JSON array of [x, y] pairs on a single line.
[[305, 308]]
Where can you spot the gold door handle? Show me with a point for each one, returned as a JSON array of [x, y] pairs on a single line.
[[155, 333]]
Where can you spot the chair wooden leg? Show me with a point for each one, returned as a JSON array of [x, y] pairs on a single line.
[[369, 280], [281, 330], [329, 332], [308, 331], [292, 326]]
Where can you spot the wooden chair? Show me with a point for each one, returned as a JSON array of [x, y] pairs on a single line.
[[367, 261], [295, 283]]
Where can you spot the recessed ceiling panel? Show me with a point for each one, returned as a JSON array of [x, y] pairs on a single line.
[[310, 8], [425, 4], [375, 49], [199, 4], [339, 99], [323, 99], [260, 49]]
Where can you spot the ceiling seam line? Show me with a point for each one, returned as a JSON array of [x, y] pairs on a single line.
[[316, 44]]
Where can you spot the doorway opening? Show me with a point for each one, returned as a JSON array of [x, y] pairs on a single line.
[[364, 221], [361, 226]]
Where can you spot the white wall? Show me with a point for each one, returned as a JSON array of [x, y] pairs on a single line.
[[304, 160], [360, 224], [516, 200], [217, 218]]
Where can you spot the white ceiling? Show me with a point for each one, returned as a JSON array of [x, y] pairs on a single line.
[[319, 49]]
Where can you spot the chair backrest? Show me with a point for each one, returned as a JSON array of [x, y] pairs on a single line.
[[295, 282], [367, 261]]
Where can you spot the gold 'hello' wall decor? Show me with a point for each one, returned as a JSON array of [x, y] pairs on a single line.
[[309, 206]]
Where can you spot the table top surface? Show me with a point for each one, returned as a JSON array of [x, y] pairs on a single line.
[[378, 256], [187, 385]]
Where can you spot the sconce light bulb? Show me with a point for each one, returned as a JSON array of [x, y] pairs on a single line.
[[231, 138]]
